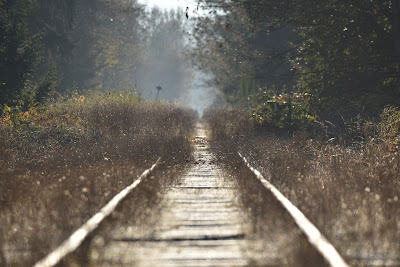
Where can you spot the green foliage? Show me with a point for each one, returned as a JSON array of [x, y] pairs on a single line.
[[343, 52], [293, 111], [18, 50], [242, 55], [20, 56], [107, 45], [55, 20], [85, 44], [348, 58], [389, 127]]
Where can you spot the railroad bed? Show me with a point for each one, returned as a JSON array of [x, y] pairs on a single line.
[[202, 222]]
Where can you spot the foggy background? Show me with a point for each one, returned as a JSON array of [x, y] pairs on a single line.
[[78, 46], [166, 58]]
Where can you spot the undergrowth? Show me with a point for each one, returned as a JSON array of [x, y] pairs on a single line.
[[350, 192], [61, 163], [89, 129]]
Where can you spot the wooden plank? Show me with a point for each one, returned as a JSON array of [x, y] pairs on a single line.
[[200, 224]]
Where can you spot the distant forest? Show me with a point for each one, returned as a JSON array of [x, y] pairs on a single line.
[[306, 58], [60, 46]]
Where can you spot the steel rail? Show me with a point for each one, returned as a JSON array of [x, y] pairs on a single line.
[[76, 239], [314, 236]]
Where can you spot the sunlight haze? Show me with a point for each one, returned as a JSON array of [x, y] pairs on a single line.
[[169, 4]]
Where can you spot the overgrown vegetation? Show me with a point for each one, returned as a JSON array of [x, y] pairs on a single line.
[[61, 163], [349, 187], [66, 145], [313, 88], [50, 47], [341, 58], [312, 96], [20, 53]]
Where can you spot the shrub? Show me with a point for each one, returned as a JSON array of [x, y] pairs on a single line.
[[389, 127], [228, 123], [285, 111], [350, 193], [92, 127], [61, 163]]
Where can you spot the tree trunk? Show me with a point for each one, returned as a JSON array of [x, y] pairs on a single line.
[[396, 27]]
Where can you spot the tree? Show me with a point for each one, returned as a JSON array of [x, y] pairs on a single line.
[[345, 53], [55, 18], [20, 54], [244, 57], [164, 61], [106, 44]]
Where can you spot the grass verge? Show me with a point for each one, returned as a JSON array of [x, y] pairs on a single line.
[[60, 165], [350, 193]]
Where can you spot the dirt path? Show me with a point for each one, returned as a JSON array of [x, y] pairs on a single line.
[[200, 223]]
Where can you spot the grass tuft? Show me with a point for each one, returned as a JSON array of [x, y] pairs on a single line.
[[60, 164], [350, 193]]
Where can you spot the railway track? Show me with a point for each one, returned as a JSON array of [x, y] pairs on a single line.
[[202, 223]]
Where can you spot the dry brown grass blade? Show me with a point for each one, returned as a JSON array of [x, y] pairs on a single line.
[[314, 236], [351, 193], [76, 239]]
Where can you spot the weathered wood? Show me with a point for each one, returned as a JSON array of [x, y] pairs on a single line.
[[200, 224]]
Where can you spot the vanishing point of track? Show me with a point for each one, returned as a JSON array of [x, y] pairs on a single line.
[[201, 223]]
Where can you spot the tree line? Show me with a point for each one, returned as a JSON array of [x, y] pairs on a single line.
[[57, 46], [322, 56]]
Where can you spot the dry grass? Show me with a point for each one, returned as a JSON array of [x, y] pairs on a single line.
[[350, 194], [136, 215], [60, 167], [272, 236], [96, 128]]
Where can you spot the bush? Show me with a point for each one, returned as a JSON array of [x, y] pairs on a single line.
[[228, 123], [389, 127], [91, 127], [61, 163], [350, 193], [291, 111]]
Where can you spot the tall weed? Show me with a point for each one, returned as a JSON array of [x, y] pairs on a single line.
[[60, 164], [350, 193]]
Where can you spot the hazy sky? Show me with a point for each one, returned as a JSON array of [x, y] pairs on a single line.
[[197, 96], [170, 4]]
